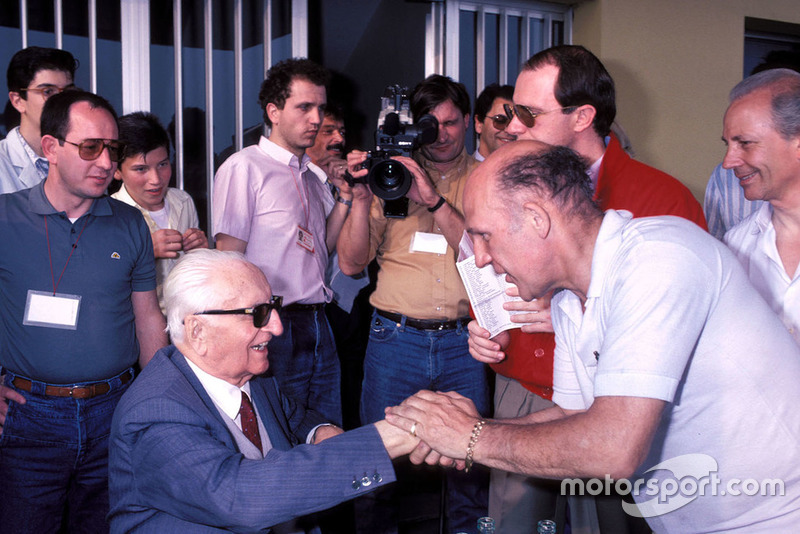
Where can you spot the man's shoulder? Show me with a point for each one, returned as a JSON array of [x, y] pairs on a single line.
[[160, 382]]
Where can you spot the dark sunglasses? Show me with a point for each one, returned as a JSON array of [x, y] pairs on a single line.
[[500, 121], [261, 313], [527, 116], [90, 149]]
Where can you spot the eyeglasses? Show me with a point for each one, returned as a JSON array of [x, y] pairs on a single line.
[[90, 149], [500, 121], [47, 91], [261, 313], [526, 116]]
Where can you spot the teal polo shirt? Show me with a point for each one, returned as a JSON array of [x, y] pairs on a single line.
[[113, 258]]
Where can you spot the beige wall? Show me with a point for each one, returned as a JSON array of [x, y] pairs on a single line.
[[674, 62]]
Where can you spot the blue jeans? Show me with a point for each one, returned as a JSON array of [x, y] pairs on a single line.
[[400, 361], [54, 461], [304, 362]]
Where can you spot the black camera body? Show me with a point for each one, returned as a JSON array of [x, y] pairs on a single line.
[[397, 135]]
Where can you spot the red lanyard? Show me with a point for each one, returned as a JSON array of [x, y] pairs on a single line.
[[50, 256], [302, 202]]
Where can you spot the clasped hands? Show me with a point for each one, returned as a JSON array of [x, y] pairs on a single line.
[[443, 422]]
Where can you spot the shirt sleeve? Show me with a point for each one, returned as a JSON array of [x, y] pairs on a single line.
[[234, 199], [654, 310]]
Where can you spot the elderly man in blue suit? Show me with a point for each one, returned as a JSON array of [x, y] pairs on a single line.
[[189, 453]]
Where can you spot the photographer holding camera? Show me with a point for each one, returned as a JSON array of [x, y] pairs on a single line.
[[418, 337]]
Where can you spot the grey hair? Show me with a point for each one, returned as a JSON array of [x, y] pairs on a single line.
[[188, 288], [784, 86]]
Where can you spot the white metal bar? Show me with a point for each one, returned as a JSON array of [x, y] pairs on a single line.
[[177, 58], [451, 38], [93, 46], [300, 28], [209, 61], [23, 22], [480, 49], [267, 14], [135, 37], [237, 76], [502, 49], [548, 30], [58, 12]]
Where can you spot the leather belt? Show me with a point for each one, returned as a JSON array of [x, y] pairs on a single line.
[[423, 324], [305, 307], [76, 392]]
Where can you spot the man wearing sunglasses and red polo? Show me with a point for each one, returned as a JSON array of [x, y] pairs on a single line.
[[34, 75], [491, 119], [564, 96], [78, 309]]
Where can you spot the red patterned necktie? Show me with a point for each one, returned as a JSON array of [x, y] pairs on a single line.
[[249, 422]]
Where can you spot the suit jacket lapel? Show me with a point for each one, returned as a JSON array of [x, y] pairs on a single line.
[[271, 412]]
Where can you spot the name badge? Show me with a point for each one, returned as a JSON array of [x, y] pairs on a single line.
[[52, 311], [430, 243], [305, 239]]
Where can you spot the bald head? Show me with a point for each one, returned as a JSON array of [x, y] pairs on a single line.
[[524, 168], [529, 210]]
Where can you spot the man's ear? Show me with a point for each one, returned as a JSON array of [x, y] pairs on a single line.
[[118, 174], [584, 117], [17, 101], [537, 217], [49, 144], [478, 126], [273, 112], [195, 333]]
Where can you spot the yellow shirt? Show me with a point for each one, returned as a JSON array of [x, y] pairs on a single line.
[[419, 284]]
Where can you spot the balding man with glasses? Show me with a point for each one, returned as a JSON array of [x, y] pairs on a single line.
[[78, 310], [34, 75], [204, 441], [563, 96]]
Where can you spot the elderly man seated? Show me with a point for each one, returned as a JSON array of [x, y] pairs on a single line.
[[203, 442]]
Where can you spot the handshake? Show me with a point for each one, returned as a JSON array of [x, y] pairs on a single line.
[[434, 428]]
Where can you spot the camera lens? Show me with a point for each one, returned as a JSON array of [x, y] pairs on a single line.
[[389, 179]]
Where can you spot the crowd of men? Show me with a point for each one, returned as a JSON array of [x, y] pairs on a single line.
[[155, 378]]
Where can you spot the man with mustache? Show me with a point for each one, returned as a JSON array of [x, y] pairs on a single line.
[[272, 206]]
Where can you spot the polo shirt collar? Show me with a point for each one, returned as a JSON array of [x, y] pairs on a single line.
[[609, 239], [40, 205], [282, 155], [763, 219]]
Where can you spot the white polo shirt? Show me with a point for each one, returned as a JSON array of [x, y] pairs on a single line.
[[671, 315]]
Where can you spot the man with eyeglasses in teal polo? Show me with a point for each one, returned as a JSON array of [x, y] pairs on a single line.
[[34, 75], [564, 96], [78, 310]]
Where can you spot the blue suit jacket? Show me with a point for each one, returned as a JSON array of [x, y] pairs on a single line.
[[174, 465]]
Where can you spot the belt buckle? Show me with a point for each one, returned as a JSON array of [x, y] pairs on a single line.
[[83, 392]]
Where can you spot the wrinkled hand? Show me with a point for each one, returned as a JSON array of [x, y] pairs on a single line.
[[483, 348], [536, 313], [354, 160], [6, 395], [444, 421], [422, 191], [194, 238], [325, 432], [167, 243]]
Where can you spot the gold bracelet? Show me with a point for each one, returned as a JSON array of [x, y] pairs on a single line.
[[473, 440]]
